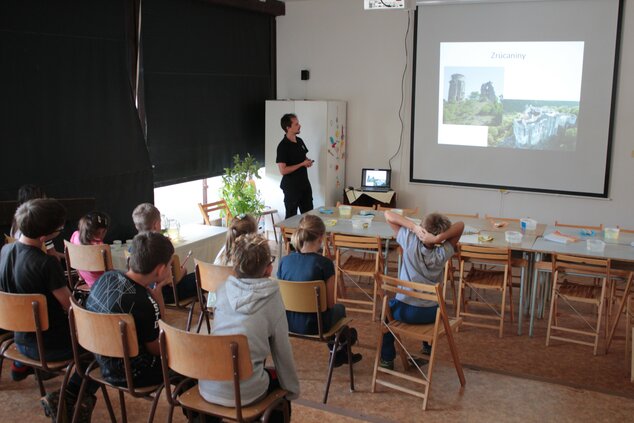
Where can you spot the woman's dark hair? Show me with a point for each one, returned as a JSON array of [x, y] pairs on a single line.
[[90, 224]]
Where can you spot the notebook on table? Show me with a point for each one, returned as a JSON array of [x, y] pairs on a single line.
[[377, 180]]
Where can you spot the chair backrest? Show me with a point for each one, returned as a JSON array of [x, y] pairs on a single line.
[[406, 212], [463, 216], [208, 357], [356, 209], [626, 231], [302, 297], [501, 256], [92, 258], [287, 234], [104, 334], [18, 312], [497, 218], [582, 266], [422, 291], [177, 272], [211, 276], [566, 225], [206, 209], [357, 242]]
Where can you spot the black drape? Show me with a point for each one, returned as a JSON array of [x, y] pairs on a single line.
[[67, 116], [208, 70]]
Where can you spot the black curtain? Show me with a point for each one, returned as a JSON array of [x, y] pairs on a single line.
[[207, 70], [67, 116]]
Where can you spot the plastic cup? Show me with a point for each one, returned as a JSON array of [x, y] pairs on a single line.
[[611, 233], [116, 244], [345, 211]]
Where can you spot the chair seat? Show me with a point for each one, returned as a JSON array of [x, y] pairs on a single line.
[[95, 374], [333, 330], [580, 292], [193, 400], [12, 353], [422, 332], [481, 278], [357, 264]]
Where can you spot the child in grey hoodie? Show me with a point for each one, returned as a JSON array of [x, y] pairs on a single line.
[[251, 304]]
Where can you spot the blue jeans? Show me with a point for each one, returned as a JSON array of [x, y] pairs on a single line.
[[407, 314]]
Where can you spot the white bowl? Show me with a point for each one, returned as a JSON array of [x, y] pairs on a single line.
[[595, 245], [361, 222], [513, 237]]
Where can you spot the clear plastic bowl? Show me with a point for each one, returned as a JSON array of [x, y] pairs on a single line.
[[611, 233], [595, 245], [513, 237], [361, 222], [345, 211]]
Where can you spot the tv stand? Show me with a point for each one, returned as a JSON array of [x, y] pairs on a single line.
[[362, 198]]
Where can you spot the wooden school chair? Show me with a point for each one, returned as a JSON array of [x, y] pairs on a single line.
[[310, 297], [357, 209], [589, 227], [576, 290], [629, 335], [216, 206], [495, 275], [27, 313], [406, 212], [461, 216], [357, 256], [212, 357], [178, 273], [90, 258], [430, 333], [110, 335], [208, 278], [287, 234]]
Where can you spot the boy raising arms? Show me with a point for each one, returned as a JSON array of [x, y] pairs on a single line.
[[426, 249]]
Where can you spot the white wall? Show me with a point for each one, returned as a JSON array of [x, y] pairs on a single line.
[[358, 56]]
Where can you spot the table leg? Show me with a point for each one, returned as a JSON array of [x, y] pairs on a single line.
[[387, 251], [533, 295], [521, 305], [273, 225]]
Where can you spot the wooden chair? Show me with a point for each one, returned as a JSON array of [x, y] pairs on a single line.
[[430, 333], [177, 276], [287, 234], [349, 265], [489, 278], [110, 335], [206, 209], [406, 212], [27, 313], [208, 278], [503, 219], [357, 209], [310, 297], [576, 291], [462, 216], [90, 258], [589, 227], [629, 335], [208, 357]]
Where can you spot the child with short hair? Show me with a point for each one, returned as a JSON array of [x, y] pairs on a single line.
[[137, 292], [26, 269], [426, 249], [306, 264], [91, 230], [250, 303], [147, 218]]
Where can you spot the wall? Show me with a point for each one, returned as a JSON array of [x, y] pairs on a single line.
[[359, 56]]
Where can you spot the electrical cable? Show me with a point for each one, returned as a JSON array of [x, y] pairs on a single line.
[[386, 5], [400, 107]]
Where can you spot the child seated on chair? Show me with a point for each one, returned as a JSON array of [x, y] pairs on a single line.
[[241, 224], [91, 230], [426, 249], [137, 292], [26, 269], [306, 264], [250, 303], [147, 218]]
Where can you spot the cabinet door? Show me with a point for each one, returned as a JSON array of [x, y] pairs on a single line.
[[312, 116]]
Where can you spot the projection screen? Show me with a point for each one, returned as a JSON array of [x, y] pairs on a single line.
[[515, 94]]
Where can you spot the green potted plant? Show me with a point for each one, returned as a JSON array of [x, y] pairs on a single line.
[[238, 187]]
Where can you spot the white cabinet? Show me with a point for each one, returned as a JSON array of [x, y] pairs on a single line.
[[324, 133]]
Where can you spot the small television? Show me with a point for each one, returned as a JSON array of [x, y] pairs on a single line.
[[376, 179]]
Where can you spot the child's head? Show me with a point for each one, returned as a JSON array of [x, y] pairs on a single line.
[[40, 217], [146, 217], [240, 225], [310, 229], [149, 249], [251, 256], [29, 192], [436, 223], [93, 227]]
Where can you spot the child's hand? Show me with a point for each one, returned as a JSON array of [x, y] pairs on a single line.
[[428, 238]]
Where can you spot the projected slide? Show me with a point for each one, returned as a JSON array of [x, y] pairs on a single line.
[[521, 95]]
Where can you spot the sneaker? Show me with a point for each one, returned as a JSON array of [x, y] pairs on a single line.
[[426, 350], [386, 364], [417, 361], [85, 408], [50, 402], [19, 373]]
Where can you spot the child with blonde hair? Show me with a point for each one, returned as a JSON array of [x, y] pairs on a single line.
[[306, 264], [240, 225], [250, 303]]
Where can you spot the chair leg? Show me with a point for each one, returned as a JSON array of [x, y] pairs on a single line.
[[62, 393], [106, 399], [40, 384], [124, 414], [190, 316], [553, 301], [350, 363], [80, 398], [157, 396], [331, 366], [377, 357]]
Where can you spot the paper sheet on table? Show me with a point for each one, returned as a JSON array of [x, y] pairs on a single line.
[[468, 230], [469, 239]]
